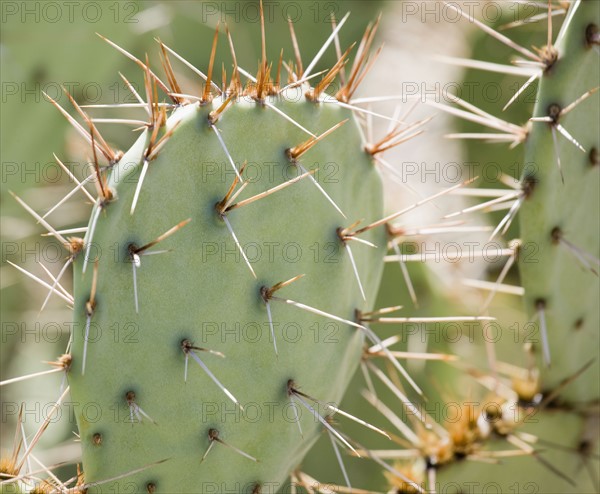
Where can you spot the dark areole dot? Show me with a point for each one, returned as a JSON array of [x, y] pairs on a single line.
[[594, 157], [528, 185], [592, 36], [556, 235], [554, 112]]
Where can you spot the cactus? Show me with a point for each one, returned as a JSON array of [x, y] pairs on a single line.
[[562, 288], [223, 174], [224, 300], [215, 364], [552, 402]]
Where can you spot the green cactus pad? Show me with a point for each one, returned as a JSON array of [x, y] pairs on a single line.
[[558, 219], [203, 291]]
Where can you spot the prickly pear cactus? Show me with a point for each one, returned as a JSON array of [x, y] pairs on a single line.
[[532, 426], [561, 213], [227, 279], [544, 414], [223, 368]]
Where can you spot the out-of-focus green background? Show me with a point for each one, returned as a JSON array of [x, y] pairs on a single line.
[[46, 44]]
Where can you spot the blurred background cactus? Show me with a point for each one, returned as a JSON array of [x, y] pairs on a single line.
[[501, 365]]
